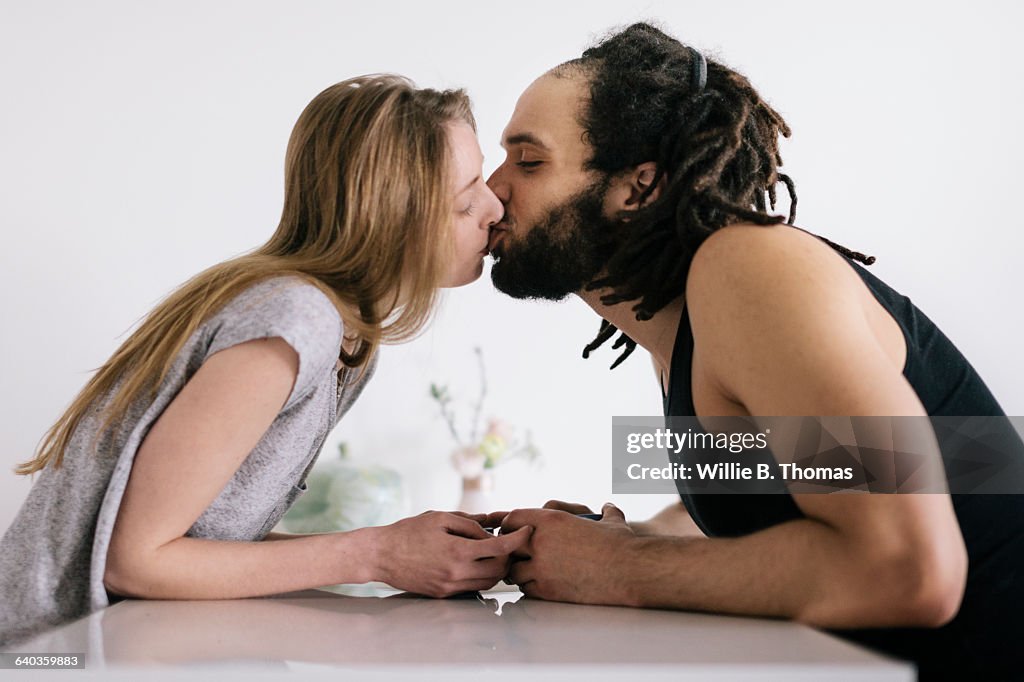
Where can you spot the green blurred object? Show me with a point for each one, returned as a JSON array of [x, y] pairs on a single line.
[[342, 495]]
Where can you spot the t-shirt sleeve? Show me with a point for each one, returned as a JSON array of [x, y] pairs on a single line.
[[292, 309]]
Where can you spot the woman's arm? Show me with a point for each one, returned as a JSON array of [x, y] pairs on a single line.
[[286, 536], [196, 446]]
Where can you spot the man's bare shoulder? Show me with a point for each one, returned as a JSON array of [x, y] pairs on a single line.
[[766, 301], [774, 266], [747, 253]]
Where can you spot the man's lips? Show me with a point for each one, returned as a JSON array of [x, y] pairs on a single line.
[[495, 237]]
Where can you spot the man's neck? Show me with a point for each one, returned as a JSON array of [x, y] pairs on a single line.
[[657, 335]]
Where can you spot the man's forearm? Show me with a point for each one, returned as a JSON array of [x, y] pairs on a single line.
[[194, 568], [672, 520], [802, 569]]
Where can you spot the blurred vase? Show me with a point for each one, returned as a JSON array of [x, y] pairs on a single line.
[[342, 495], [477, 494]]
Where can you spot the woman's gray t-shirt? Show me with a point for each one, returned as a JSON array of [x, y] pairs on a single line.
[[53, 556]]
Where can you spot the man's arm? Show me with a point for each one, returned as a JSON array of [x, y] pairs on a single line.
[[672, 520], [790, 339]]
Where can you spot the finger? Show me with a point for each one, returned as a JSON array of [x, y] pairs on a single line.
[[505, 544], [516, 519], [494, 568], [609, 512], [464, 527], [478, 518], [493, 519], [521, 555], [531, 589], [481, 568], [488, 520], [477, 585], [519, 573], [570, 507]]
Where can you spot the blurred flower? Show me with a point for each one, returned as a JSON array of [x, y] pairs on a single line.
[[492, 447], [500, 429], [469, 461], [496, 445]]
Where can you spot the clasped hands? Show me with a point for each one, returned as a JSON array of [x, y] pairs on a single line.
[[550, 553]]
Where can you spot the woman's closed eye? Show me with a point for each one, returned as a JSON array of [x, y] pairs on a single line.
[[468, 211]]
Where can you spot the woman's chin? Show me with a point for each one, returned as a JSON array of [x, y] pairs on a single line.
[[467, 276]]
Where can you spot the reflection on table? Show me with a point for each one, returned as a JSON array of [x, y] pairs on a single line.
[[373, 626]]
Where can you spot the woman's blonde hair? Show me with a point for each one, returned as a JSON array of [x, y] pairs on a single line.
[[367, 218]]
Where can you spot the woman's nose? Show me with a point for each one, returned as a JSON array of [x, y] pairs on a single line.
[[495, 208]]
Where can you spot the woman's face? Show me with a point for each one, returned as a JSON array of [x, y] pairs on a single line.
[[475, 206]]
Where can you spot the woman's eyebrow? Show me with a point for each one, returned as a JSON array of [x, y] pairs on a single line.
[[468, 185]]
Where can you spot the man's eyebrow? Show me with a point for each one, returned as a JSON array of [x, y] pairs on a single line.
[[525, 138]]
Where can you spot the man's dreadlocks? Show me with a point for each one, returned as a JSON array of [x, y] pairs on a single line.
[[716, 145]]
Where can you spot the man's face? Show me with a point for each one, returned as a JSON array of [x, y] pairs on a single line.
[[554, 238]]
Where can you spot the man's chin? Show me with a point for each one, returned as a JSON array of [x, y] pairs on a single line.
[[522, 288]]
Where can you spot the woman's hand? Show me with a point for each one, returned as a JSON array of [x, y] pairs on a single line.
[[439, 554]]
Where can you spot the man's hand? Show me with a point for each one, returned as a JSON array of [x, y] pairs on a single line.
[[566, 558], [673, 520], [496, 518], [571, 507]]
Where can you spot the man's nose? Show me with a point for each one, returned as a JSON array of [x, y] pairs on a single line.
[[498, 185]]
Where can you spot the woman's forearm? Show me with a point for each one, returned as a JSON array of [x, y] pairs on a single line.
[[194, 568], [272, 535]]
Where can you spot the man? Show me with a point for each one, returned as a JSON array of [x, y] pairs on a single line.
[[638, 178]]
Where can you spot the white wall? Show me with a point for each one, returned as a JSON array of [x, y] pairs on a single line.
[[142, 142]]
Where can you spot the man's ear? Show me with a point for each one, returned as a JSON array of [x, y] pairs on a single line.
[[626, 192]]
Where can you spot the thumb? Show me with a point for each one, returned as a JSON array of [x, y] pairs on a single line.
[[570, 507], [609, 512], [510, 542]]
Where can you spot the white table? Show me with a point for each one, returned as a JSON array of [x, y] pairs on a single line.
[[375, 633]]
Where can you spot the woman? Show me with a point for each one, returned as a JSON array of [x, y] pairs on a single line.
[[165, 475]]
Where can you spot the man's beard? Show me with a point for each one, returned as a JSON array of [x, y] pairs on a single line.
[[562, 253]]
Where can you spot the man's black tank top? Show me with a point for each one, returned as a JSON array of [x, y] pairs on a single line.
[[986, 638]]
